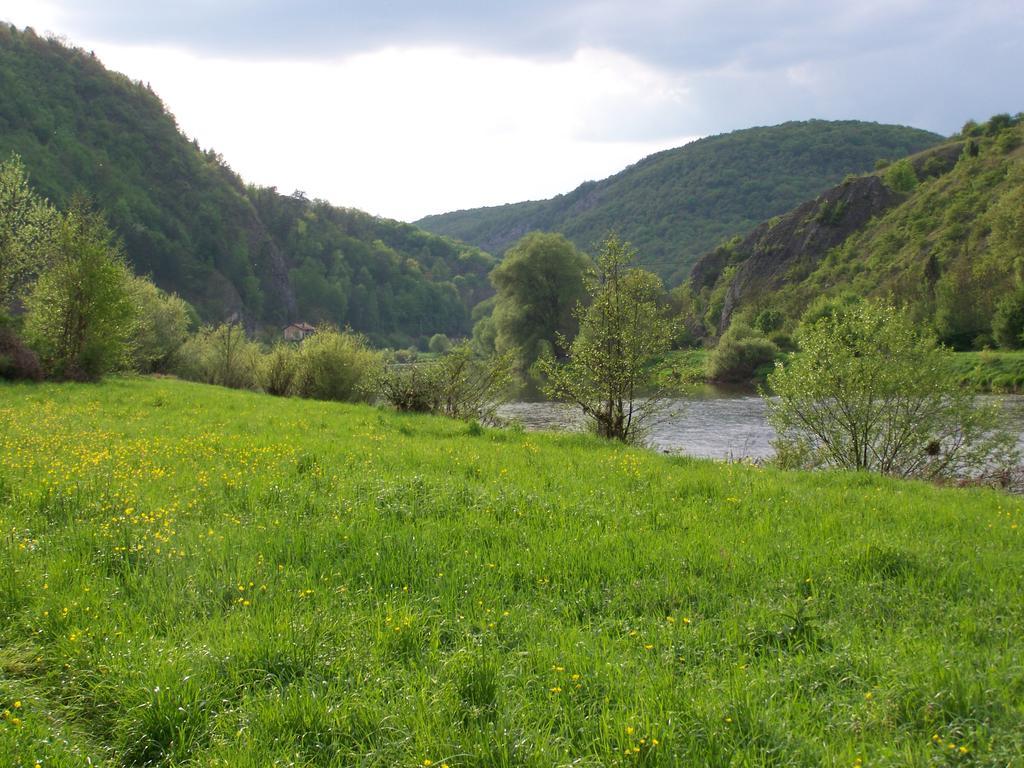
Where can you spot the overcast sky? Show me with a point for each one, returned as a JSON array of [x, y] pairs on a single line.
[[410, 107]]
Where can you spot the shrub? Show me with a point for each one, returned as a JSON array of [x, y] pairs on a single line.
[[279, 369], [161, 326], [222, 355], [407, 355], [337, 366], [411, 387], [470, 387], [828, 307], [740, 352], [439, 344], [869, 391], [769, 320], [459, 385], [17, 361], [900, 176]]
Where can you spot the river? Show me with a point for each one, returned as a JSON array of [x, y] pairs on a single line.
[[711, 422]]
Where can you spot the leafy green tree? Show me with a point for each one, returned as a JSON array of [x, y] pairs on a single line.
[[80, 312], [622, 329], [900, 176], [161, 326], [539, 284], [27, 230], [868, 390], [1008, 321], [17, 361]]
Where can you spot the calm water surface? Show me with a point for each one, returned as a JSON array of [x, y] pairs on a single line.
[[710, 422]]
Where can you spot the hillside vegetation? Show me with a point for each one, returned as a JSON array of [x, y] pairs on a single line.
[[192, 224], [676, 205], [199, 576], [941, 232]]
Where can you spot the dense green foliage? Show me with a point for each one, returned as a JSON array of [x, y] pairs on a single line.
[[990, 371], [390, 281], [740, 354], [458, 384], [949, 247], [161, 326], [80, 315], [867, 390], [28, 225], [69, 305], [337, 366], [539, 282], [676, 205], [622, 328], [188, 221], [292, 582], [329, 365]]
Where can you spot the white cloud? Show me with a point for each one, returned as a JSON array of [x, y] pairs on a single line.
[[407, 132], [491, 103]]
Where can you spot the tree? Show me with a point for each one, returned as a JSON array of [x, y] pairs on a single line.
[[80, 312], [868, 390], [538, 284], [621, 330], [1008, 321], [27, 230], [900, 176]]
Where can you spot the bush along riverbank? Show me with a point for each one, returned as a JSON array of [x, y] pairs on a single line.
[[988, 372]]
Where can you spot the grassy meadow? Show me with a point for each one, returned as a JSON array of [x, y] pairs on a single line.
[[194, 576]]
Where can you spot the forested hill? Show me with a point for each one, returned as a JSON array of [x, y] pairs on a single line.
[[189, 221], [678, 204], [941, 233]]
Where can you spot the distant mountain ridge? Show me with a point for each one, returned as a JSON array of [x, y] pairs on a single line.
[[190, 222], [678, 204]]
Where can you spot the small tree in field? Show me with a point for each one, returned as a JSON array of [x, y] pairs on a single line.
[[868, 390], [80, 311], [621, 330]]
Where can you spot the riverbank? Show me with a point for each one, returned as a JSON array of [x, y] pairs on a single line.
[[988, 372], [196, 575], [996, 372]]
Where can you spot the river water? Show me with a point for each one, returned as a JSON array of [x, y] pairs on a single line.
[[711, 422]]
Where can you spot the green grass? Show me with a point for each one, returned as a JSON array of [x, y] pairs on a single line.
[[1001, 372], [194, 576]]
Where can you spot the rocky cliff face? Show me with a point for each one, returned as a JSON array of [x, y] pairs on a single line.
[[788, 248]]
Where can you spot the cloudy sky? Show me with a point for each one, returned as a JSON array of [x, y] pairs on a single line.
[[410, 107]]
